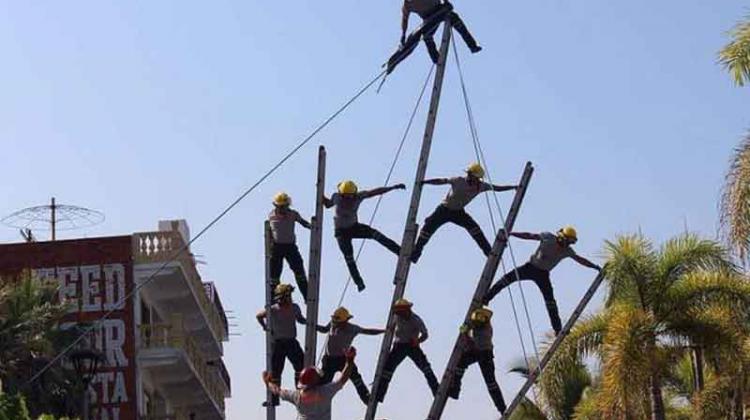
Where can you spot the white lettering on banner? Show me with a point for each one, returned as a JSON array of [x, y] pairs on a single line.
[[114, 278], [120, 393], [104, 378], [68, 279], [95, 289], [91, 276]]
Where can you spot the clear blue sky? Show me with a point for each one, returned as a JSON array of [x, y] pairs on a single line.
[[152, 110]]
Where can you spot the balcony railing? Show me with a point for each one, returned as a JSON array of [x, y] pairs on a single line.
[[154, 336], [163, 246]]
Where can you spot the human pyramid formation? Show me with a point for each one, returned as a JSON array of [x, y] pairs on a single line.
[[316, 388]]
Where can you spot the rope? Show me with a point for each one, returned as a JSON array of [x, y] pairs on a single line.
[[480, 156], [220, 216], [385, 183]]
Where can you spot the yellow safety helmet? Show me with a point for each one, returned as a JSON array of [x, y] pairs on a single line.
[[283, 290], [481, 315], [341, 314], [347, 187], [402, 304], [476, 170], [282, 199], [569, 233]]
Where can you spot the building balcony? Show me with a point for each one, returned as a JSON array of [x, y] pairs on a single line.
[[173, 363], [178, 285]]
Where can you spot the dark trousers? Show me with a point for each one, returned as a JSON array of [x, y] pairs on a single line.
[[333, 364], [399, 352], [360, 231], [286, 349], [542, 280], [443, 215], [458, 25], [290, 253], [486, 362]]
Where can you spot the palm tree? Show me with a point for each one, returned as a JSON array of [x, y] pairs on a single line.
[[659, 304], [735, 56], [735, 201], [29, 335], [557, 397]]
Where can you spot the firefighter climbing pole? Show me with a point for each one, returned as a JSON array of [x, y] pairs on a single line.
[[488, 273], [410, 228], [534, 375], [270, 408], [313, 288]]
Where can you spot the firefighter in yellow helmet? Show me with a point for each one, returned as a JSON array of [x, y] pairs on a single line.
[[341, 333], [478, 348], [284, 316], [283, 219], [452, 209], [347, 227], [552, 249], [409, 333]]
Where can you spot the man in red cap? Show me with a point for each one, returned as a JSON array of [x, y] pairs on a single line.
[[313, 398]]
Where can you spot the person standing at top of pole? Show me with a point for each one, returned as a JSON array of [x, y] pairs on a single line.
[[283, 219], [427, 9], [347, 226], [552, 249], [452, 209]]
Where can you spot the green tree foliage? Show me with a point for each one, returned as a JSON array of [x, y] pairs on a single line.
[[660, 305], [735, 56], [29, 337]]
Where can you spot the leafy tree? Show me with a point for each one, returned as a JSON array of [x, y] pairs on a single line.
[[735, 56], [660, 304]]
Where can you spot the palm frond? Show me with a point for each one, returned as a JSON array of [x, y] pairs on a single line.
[[528, 411], [734, 206], [703, 288], [735, 56], [627, 363], [630, 268]]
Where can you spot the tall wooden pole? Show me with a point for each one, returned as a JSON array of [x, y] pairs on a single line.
[[313, 287], [270, 408], [410, 228], [485, 281]]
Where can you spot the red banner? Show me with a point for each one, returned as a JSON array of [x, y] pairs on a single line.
[[94, 276]]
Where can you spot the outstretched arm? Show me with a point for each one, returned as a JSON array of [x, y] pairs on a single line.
[[501, 188], [436, 181], [380, 191], [526, 235], [372, 331], [327, 202], [585, 262], [324, 328], [304, 222], [404, 22], [319, 328]]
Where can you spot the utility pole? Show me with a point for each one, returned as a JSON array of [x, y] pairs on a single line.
[[534, 375], [313, 286], [53, 219], [410, 228], [485, 281], [270, 408]]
